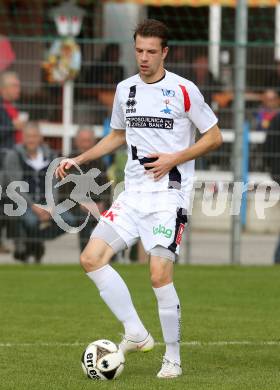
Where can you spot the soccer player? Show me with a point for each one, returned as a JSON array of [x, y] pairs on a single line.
[[156, 114]]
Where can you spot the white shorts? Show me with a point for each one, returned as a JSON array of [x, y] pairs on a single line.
[[155, 228]]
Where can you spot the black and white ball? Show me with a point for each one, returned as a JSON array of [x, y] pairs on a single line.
[[103, 360]]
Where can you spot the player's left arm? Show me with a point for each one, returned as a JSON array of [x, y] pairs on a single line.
[[210, 140]]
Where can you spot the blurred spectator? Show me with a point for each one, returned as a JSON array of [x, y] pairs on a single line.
[[198, 72], [272, 155], [272, 77], [177, 60], [267, 111], [261, 121], [29, 162], [84, 140], [203, 78], [101, 78], [9, 123], [11, 120], [107, 72], [7, 53]]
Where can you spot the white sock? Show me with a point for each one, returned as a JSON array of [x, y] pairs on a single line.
[[170, 319], [115, 294]]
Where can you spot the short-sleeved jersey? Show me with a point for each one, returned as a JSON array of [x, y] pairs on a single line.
[[159, 117]]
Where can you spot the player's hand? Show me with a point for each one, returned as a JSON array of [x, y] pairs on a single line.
[[159, 168], [64, 166]]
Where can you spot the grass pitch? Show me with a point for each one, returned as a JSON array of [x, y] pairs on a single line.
[[230, 328]]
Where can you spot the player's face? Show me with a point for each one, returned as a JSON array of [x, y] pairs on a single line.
[[150, 58]]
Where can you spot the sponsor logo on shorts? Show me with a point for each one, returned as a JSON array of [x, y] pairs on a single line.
[[109, 214], [180, 234], [162, 230], [151, 122]]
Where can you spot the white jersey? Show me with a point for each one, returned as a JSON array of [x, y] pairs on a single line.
[[159, 117]]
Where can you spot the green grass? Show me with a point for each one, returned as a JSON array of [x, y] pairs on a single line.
[[44, 310]]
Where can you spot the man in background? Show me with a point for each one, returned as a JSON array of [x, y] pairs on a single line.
[[202, 76], [261, 120], [29, 162], [272, 154], [9, 115], [268, 109], [85, 139], [10, 124]]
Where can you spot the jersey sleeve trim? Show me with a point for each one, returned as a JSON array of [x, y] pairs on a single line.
[[117, 121], [187, 102], [117, 128]]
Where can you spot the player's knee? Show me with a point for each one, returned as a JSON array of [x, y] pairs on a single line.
[[160, 278], [161, 272], [91, 261]]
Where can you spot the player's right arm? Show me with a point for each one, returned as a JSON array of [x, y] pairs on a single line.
[[107, 145]]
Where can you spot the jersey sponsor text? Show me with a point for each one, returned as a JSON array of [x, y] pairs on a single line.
[[149, 122]]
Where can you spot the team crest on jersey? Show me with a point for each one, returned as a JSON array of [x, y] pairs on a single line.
[[166, 110], [168, 92], [131, 102]]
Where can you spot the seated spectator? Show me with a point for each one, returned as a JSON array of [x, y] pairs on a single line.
[[84, 140], [29, 162], [267, 111]]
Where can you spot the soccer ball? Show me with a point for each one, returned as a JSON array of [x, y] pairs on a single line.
[[103, 360]]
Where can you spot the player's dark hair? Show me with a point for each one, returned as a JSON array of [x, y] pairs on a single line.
[[152, 28]]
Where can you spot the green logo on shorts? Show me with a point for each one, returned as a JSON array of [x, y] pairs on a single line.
[[162, 230]]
